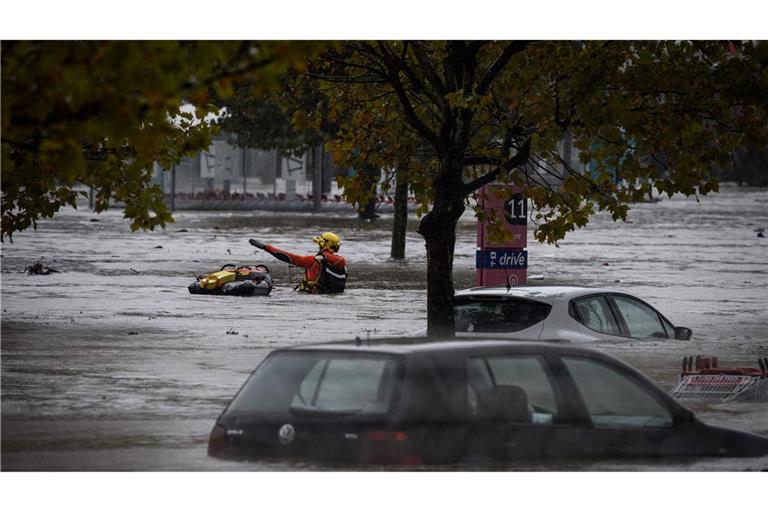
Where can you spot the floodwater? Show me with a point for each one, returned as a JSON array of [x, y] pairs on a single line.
[[111, 364]]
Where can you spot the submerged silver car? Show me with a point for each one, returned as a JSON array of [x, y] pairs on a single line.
[[559, 313]]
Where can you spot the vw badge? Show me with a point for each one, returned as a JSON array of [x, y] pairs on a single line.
[[286, 433]]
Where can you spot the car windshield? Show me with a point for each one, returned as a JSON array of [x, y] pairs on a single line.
[[312, 384], [497, 315]]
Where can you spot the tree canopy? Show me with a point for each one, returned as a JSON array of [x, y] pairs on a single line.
[[264, 120], [640, 114], [100, 113]]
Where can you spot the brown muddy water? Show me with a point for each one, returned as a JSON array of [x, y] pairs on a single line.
[[112, 365]]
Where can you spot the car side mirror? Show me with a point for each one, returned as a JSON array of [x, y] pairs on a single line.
[[683, 333]]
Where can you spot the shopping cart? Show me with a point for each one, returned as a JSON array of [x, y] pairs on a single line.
[[703, 379]]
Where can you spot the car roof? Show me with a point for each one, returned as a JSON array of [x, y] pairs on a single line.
[[534, 292], [410, 345]]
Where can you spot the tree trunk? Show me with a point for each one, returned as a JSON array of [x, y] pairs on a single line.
[[401, 217], [438, 228], [366, 208], [317, 182], [173, 188]]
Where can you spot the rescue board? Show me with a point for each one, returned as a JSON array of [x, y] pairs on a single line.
[[239, 280]]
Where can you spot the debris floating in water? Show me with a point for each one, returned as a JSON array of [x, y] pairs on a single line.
[[703, 379], [40, 269]]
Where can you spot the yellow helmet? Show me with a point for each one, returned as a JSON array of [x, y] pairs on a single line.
[[329, 241]]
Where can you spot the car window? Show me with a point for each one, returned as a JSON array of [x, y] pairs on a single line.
[[515, 389], [613, 398], [351, 384], [641, 320], [319, 382], [668, 327], [308, 385], [496, 315], [595, 314]]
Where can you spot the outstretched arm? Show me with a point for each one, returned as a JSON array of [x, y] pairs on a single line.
[[257, 243], [285, 256]]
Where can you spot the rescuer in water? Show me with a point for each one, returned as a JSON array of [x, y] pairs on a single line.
[[324, 272]]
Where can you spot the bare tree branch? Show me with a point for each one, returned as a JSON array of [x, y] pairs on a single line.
[[522, 157], [410, 114], [413, 78], [428, 68], [509, 51]]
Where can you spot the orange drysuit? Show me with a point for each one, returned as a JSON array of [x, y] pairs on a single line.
[[312, 265]]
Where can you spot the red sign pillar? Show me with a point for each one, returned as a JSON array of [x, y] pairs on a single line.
[[503, 264]]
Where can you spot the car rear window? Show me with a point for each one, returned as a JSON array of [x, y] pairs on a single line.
[[318, 383], [497, 315]]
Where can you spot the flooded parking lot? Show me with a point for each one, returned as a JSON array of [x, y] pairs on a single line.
[[110, 364]]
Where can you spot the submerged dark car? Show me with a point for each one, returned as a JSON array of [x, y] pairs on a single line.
[[408, 401]]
